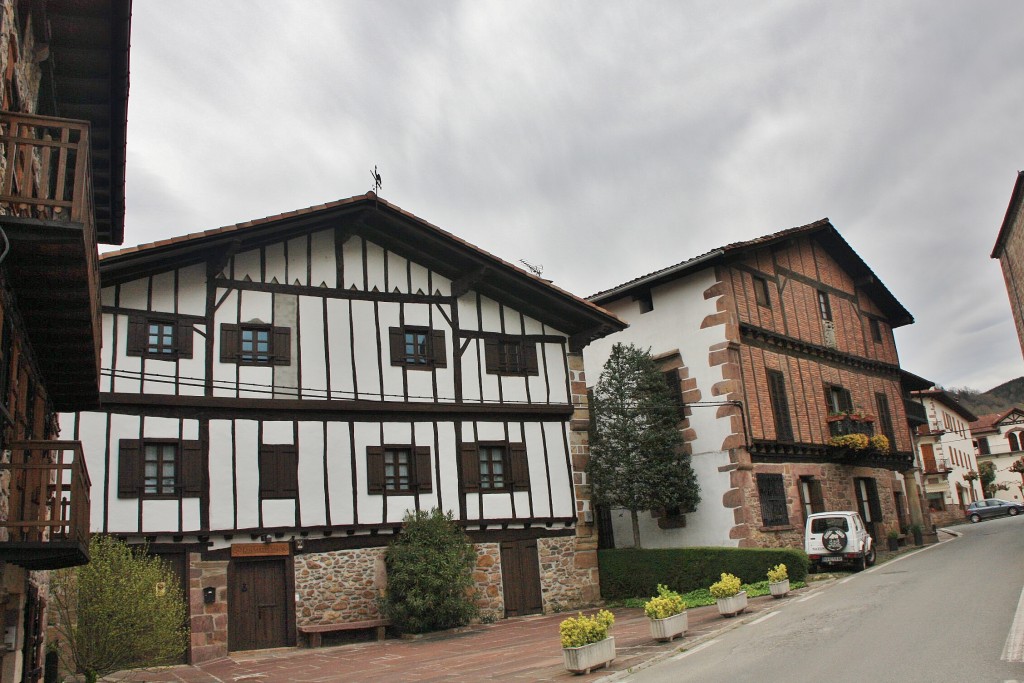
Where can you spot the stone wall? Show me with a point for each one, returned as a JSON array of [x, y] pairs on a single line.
[[209, 622], [339, 586], [584, 586], [490, 596], [568, 578]]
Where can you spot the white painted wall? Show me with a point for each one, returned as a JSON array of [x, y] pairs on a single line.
[[675, 324]]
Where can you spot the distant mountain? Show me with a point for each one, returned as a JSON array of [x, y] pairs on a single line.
[[996, 400]]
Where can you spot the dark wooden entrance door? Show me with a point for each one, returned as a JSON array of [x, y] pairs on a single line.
[[257, 605], [520, 577]]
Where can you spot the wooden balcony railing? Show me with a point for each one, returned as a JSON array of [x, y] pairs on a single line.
[[46, 168], [845, 424], [48, 501]]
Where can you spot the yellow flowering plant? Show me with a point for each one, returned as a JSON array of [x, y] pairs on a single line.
[[666, 604], [582, 630], [880, 442], [727, 587], [855, 441], [778, 573]]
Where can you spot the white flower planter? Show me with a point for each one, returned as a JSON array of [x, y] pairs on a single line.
[[733, 605], [669, 627], [779, 588], [580, 660]]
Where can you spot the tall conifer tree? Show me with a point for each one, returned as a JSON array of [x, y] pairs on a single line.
[[636, 450]]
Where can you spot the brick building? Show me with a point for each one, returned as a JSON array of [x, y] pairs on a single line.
[[779, 344], [62, 136], [1009, 249]]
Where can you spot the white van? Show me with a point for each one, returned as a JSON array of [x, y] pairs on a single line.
[[838, 538]]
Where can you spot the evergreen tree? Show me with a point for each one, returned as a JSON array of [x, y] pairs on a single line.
[[636, 450]]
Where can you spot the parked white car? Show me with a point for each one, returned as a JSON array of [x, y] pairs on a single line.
[[836, 539]]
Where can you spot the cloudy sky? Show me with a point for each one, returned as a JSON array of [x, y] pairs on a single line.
[[604, 140]]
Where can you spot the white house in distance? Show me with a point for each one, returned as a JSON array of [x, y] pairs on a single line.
[[946, 455], [278, 394], [1000, 440]]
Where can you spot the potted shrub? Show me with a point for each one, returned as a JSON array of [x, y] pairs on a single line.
[[893, 538], [917, 532], [731, 600], [778, 581], [586, 644], [667, 614]]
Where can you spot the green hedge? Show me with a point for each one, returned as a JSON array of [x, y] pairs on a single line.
[[632, 573]]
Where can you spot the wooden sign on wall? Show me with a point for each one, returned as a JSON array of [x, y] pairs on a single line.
[[260, 549]]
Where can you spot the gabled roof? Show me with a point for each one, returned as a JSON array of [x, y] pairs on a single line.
[[1012, 210], [990, 422], [821, 230], [394, 229], [947, 400]]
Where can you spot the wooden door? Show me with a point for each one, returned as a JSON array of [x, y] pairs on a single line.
[[257, 605], [520, 578]]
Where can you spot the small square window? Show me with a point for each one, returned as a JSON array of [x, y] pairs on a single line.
[[255, 344], [418, 348], [493, 472], [510, 356], [761, 291], [160, 338]]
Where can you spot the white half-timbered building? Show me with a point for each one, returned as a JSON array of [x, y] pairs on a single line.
[[278, 394]]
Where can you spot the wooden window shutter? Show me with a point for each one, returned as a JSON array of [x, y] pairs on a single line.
[[424, 480], [396, 337], [191, 469], [228, 343], [282, 346], [288, 471], [817, 502], [375, 469], [519, 466], [874, 504], [267, 471], [136, 335], [846, 400], [437, 347], [470, 467], [184, 340], [530, 364], [928, 457], [780, 406], [129, 468], [491, 355]]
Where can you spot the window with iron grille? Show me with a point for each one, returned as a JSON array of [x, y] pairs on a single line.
[[772, 491]]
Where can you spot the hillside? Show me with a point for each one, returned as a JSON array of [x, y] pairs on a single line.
[[995, 400]]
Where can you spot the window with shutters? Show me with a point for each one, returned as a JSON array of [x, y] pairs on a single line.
[[876, 329], [983, 448], [279, 471], [510, 356], [885, 418], [495, 467], [159, 468], [255, 344], [838, 399], [417, 348], [398, 470], [780, 406], [675, 390], [761, 291], [160, 338], [811, 500], [824, 307], [772, 491]]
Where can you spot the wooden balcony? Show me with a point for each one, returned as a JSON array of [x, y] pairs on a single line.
[[841, 425], [47, 525], [46, 212]]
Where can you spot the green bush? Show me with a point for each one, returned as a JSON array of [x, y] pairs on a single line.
[[430, 582], [631, 572]]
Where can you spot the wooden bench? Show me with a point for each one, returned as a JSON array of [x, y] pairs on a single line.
[[316, 631]]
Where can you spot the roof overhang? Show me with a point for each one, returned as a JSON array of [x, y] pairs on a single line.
[[86, 77], [1012, 211], [385, 224]]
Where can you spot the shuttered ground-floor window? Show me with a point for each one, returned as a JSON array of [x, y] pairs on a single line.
[[772, 490]]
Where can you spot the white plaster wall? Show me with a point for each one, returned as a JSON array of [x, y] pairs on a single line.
[[675, 324]]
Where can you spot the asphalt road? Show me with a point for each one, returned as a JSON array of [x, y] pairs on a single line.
[[943, 614]]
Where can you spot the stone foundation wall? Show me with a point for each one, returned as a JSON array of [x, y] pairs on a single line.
[[339, 586], [490, 596], [209, 622], [568, 578], [837, 490]]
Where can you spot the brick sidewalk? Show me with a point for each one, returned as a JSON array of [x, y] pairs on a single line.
[[518, 649]]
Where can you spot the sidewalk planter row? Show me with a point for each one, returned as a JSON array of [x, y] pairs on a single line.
[[779, 589], [669, 627], [732, 605], [583, 659]]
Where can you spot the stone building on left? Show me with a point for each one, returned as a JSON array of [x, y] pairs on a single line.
[[62, 159]]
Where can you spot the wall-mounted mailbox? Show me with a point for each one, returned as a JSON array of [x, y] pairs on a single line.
[[209, 595]]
